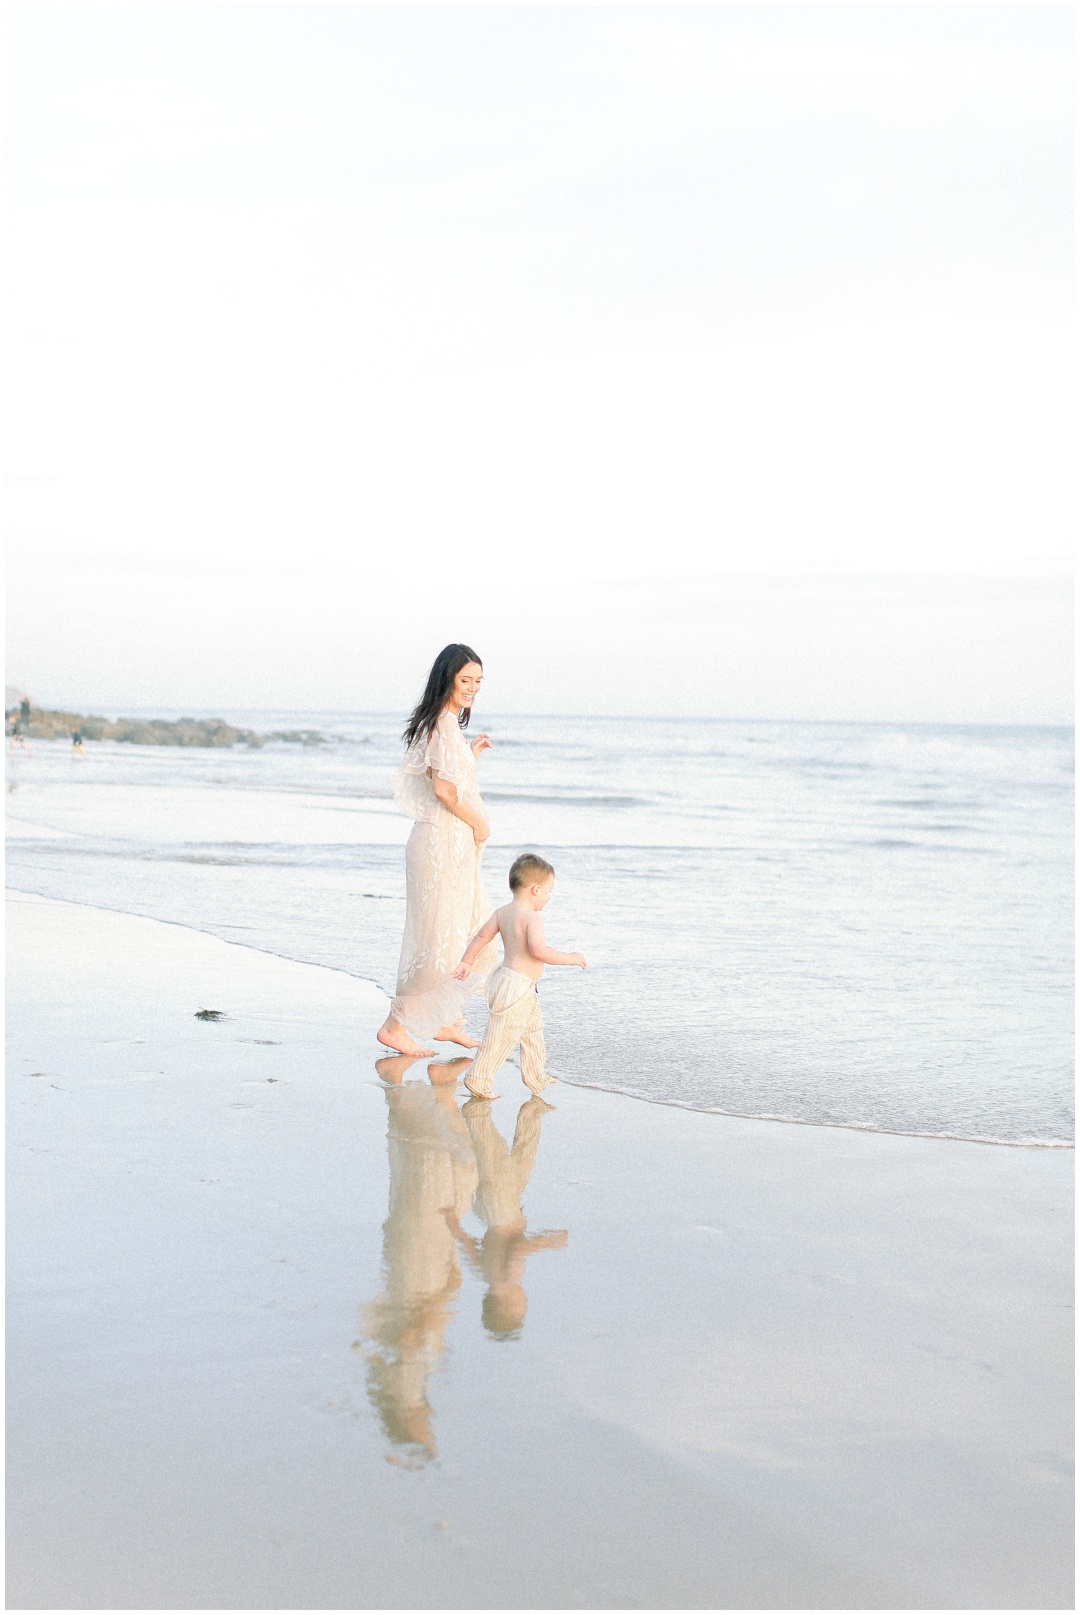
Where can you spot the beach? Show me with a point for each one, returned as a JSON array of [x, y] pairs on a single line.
[[759, 1364]]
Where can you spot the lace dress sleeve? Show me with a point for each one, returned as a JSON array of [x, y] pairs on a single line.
[[444, 753]]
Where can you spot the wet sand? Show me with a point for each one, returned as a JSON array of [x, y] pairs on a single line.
[[283, 1336]]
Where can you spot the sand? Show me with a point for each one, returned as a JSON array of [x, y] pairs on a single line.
[[761, 1366]]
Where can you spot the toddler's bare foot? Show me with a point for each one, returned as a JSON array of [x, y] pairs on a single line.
[[441, 1072], [536, 1085], [392, 1035], [478, 1092], [456, 1034], [392, 1067]]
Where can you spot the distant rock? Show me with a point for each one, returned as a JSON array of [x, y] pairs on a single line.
[[299, 737], [51, 725], [44, 724]]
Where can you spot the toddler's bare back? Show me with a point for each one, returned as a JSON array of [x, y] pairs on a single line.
[[514, 928]]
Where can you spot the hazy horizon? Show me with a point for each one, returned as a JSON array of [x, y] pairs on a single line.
[[230, 714], [889, 648]]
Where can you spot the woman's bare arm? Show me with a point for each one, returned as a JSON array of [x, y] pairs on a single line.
[[447, 794]]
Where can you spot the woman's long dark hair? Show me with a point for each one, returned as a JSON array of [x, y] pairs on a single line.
[[444, 670]]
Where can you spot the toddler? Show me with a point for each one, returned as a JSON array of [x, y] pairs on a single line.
[[512, 1001]]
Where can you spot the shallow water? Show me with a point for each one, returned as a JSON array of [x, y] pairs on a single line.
[[856, 924]]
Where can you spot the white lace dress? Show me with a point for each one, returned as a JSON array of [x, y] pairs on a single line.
[[445, 901]]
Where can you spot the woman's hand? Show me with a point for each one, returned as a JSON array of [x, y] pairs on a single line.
[[481, 831], [480, 743]]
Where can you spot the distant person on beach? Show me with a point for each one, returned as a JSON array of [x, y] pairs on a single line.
[[444, 893], [18, 730], [514, 1008], [77, 747]]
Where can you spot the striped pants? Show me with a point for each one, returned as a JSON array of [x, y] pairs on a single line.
[[513, 1017]]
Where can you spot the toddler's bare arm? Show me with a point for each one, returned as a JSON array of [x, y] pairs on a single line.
[[538, 948], [487, 933]]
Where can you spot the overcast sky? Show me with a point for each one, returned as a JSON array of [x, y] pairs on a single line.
[[710, 358]]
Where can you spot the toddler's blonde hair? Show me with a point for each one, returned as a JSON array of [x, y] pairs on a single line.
[[527, 869]]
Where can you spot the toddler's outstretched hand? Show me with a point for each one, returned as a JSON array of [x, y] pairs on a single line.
[[578, 959], [463, 972]]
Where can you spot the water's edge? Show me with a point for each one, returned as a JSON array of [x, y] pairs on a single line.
[[576, 1082]]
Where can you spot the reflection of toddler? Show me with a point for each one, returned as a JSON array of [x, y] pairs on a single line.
[[500, 1256], [514, 1011]]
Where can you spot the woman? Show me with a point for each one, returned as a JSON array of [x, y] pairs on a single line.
[[445, 901]]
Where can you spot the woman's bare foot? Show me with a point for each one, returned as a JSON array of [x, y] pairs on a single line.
[[456, 1034], [392, 1035], [442, 1072], [479, 1093], [392, 1067]]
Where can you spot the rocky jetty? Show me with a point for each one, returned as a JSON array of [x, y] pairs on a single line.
[[298, 737], [40, 724]]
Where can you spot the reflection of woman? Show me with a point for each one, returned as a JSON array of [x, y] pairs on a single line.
[[503, 1173], [431, 1168], [445, 902]]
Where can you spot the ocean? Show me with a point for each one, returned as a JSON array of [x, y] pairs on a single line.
[[849, 924]]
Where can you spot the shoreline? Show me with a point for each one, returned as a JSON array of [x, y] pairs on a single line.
[[847, 977], [574, 1082]]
